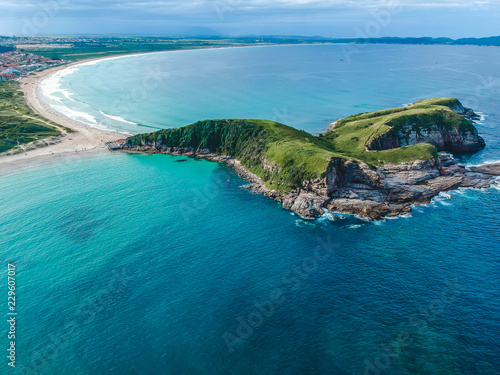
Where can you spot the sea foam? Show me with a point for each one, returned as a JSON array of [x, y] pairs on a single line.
[[50, 87], [118, 118], [51, 90]]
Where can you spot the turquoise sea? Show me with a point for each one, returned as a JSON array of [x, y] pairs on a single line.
[[151, 264]]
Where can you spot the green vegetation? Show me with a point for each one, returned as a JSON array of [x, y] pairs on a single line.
[[293, 155], [352, 135], [77, 48], [80, 47], [18, 125], [4, 49], [283, 157], [101, 47]]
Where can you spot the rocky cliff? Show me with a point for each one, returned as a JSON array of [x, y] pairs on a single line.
[[430, 128], [353, 187], [392, 189], [439, 127]]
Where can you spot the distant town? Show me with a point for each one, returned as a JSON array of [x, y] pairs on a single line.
[[15, 64]]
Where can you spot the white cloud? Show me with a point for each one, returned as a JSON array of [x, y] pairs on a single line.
[[248, 4], [337, 17]]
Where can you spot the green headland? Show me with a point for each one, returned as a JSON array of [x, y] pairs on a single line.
[[283, 157]]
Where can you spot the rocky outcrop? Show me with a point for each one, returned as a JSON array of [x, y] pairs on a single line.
[[353, 187], [451, 140], [412, 183], [332, 125], [434, 128], [459, 109]]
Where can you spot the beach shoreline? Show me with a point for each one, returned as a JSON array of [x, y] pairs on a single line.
[[82, 141]]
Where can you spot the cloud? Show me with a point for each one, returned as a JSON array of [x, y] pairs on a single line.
[[309, 17], [183, 5]]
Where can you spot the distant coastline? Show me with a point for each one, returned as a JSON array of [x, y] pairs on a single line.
[[84, 140]]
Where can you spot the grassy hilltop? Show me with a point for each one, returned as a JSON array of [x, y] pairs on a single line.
[[353, 134], [283, 157]]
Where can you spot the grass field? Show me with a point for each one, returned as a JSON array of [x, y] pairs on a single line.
[[18, 125]]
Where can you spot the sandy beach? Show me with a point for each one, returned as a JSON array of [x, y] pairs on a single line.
[[82, 142]]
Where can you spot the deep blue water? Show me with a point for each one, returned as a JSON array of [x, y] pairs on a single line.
[[141, 264]]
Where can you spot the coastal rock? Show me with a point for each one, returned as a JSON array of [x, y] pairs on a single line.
[[443, 139], [409, 173], [308, 205], [332, 125], [491, 169], [468, 113], [392, 190], [281, 156], [368, 209]]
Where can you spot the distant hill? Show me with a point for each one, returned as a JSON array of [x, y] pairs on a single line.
[[491, 41], [488, 41], [74, 48]]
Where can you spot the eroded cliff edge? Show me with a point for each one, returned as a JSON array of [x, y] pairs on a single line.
[[374, 165]]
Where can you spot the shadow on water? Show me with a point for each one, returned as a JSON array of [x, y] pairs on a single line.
[[80, 224]]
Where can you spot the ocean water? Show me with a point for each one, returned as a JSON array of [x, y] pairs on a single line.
[[152, 264]]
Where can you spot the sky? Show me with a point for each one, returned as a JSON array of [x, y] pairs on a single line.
[[328, 18]]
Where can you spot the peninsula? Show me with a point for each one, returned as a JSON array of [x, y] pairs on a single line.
[[372, 164]]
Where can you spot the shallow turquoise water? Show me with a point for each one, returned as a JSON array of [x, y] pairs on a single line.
[[141, 264]]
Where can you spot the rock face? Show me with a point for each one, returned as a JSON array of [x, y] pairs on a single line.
[[435, 132], [354, 188], [443, 139], [468, 113]]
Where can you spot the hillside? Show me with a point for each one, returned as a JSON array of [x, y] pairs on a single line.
[[280, 155], [414, 132]]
